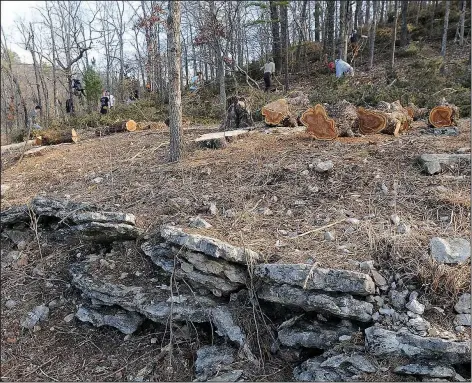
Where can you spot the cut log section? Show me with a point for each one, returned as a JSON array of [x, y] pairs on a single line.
[[18, 146], [371, 121], [130, 125], [116, 127], [345, 117], [238, 114], [442, 116], [277, 113], [54, 137], [417, 113], [318, 124], [218, 140]]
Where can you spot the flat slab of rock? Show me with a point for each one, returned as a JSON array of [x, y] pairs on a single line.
[[219, 276], [314, 334], [317, 278], [338, 368], [212, 360], [125, 321], [430, 370], [343, 306], [209, 246], [432, 162], [387, 343], [451, 250]]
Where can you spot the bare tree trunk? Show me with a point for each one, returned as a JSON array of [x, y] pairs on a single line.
[[54, 73], [446, 25], [373, 27], [462, 22], [358, 14], [317, 17], [432, 19], [394, 35], [174, 63], [404, 34], [285, 39], [419, 4], [382, 11], [329, 38], [274, 16], [367, 13]]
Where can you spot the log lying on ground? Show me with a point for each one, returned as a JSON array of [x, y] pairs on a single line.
[[443, 115], [371, 121], [386, 118], [54, 137], [117, 127], [238, 114], [277, 113], [318, 124], [416, 113], [146, 125], [219, 140], [345, 117], [18, 146]]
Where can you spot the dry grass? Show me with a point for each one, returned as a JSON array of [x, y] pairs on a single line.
[[244, 177]]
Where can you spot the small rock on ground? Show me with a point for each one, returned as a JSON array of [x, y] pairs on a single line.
[[38, 314], [329, 236], [463, 304], [453, 250], [415, 306], [324, 166], [395, 219], [462, 320], [199, 223], [378, 278]]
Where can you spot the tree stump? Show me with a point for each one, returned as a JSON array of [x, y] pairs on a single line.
[[277, 113], [238, 116], [318, 124], [443, 115], [345, 116], [54, 137]]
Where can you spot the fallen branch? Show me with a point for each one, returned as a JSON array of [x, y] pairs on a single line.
[[318, 229]]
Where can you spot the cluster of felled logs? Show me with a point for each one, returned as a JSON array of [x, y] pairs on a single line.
[[343, 119]]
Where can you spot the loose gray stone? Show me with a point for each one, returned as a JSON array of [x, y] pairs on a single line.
[[358, 362], [212, 359], [316, 278], [415, 306], [366, 266], [329, 236], [403, 228], [431, 162], [207, 245], [212, 209], [39, 314], [352, 221], [459, 329], [9, 304], [179, 202], [378, 278], [463, 304], [230, 376], [315, 334], [462, 320], [376, 316], [21, 245], [341, 306], [230, 213], [398, 298], [419, 326], [395, 219], [68, 318], [125, 321], [431, 370], [385, 343], [345, 338], [325, 166], [453, 250], [199, 223], [386, 311], [305, 173]]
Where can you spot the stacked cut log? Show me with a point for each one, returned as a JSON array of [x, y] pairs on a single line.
[[444, 115], [54, 137], [388, 118], [318, 125], [238, 115], [277, 113]]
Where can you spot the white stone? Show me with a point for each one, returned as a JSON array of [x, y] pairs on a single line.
[[395, 219], [463, 304], [352, 221], [97, 180], [403, 228], [212, 209], [325, 166], [69, 318], [199, 223], [329, 236], [454, 250], [415, 307]]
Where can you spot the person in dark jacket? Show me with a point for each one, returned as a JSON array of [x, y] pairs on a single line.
[[104, 103]]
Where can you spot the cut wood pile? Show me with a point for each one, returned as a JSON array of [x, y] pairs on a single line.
[[186, 278], [343, 119]]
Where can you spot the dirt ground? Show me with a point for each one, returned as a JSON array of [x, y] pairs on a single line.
[[269, 198]]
